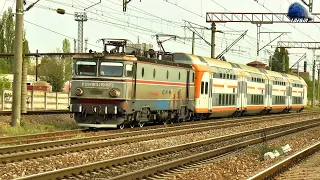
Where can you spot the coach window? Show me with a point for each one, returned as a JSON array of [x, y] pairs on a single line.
[[206, 89], [192, 77], [142, 72], [179, 75], [128, 70], [167, 74]]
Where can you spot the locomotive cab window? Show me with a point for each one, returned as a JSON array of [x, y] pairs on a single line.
[[85, 68], [112, 69]]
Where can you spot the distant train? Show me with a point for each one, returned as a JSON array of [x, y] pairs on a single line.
[[117, 89], [297, 12]]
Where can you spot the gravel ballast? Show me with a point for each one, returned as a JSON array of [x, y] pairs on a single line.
[[248, 163], [28, 167]]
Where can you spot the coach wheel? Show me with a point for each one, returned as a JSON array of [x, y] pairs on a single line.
[[141, 124], [121, 126]]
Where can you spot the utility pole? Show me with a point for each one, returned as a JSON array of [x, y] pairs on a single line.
[[37, 65], [318, 97], [85, 44], [313, 77], [284, 61], [24, 87], [213, 39], [74, 46], [80, 17], [193, 41], [270, 63], [16, 99], [298, 69]]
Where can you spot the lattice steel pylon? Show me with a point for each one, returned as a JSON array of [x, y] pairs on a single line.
[[80, 17]]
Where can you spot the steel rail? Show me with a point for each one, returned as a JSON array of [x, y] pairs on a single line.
[[79, 143], [286, 163], [28, 138], [23, 139], [62, 150], [37, 112], [96, 166], [19, 138]]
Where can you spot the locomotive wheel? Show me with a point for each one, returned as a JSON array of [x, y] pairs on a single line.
[[141, 124], [121, 126], [132, 124]]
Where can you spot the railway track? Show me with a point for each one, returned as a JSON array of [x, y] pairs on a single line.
[[311, 168], [162, 161], [36, 112], [33, 138], [51, 148]]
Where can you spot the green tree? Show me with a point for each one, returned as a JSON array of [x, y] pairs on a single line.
[[4, 83], [67, 60], [51, 70], [7, 36], [9, 27], [276, 63], [66, 46], [309, 83], [57, 70], [1, 36]]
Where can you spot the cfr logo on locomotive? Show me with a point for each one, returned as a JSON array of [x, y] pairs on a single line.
[[97, 84]]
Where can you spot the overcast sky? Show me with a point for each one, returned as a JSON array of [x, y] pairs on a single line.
[[46, 29]]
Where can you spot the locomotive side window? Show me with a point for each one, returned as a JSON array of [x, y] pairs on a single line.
[[142, 72], [167, 74], [154, 73], [85, 68], [128, 70], [113, 69]]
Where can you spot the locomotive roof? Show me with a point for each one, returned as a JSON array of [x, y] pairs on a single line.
[[126, 57]]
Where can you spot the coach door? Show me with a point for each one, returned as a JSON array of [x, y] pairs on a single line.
[[289, 95], [210, 92], [205, 91]]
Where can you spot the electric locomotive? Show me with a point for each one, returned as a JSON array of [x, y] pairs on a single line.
[[116, 88]]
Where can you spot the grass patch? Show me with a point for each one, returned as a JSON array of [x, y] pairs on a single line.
[[30, 128], [264, 148], [315, 108]]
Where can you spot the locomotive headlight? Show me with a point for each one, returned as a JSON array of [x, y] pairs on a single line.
[[79, 92], [114, 92]]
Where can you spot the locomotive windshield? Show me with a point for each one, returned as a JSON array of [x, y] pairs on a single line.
[[86, 68], [113, 69]]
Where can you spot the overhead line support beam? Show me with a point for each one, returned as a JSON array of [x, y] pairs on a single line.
[[260, 18]]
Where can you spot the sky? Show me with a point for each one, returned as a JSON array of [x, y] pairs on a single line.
[[46, 29]]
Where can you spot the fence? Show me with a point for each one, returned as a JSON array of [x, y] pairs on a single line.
[[37, 100]]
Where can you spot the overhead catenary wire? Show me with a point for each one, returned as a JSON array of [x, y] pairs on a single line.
[[122, 25], [108, 22]]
